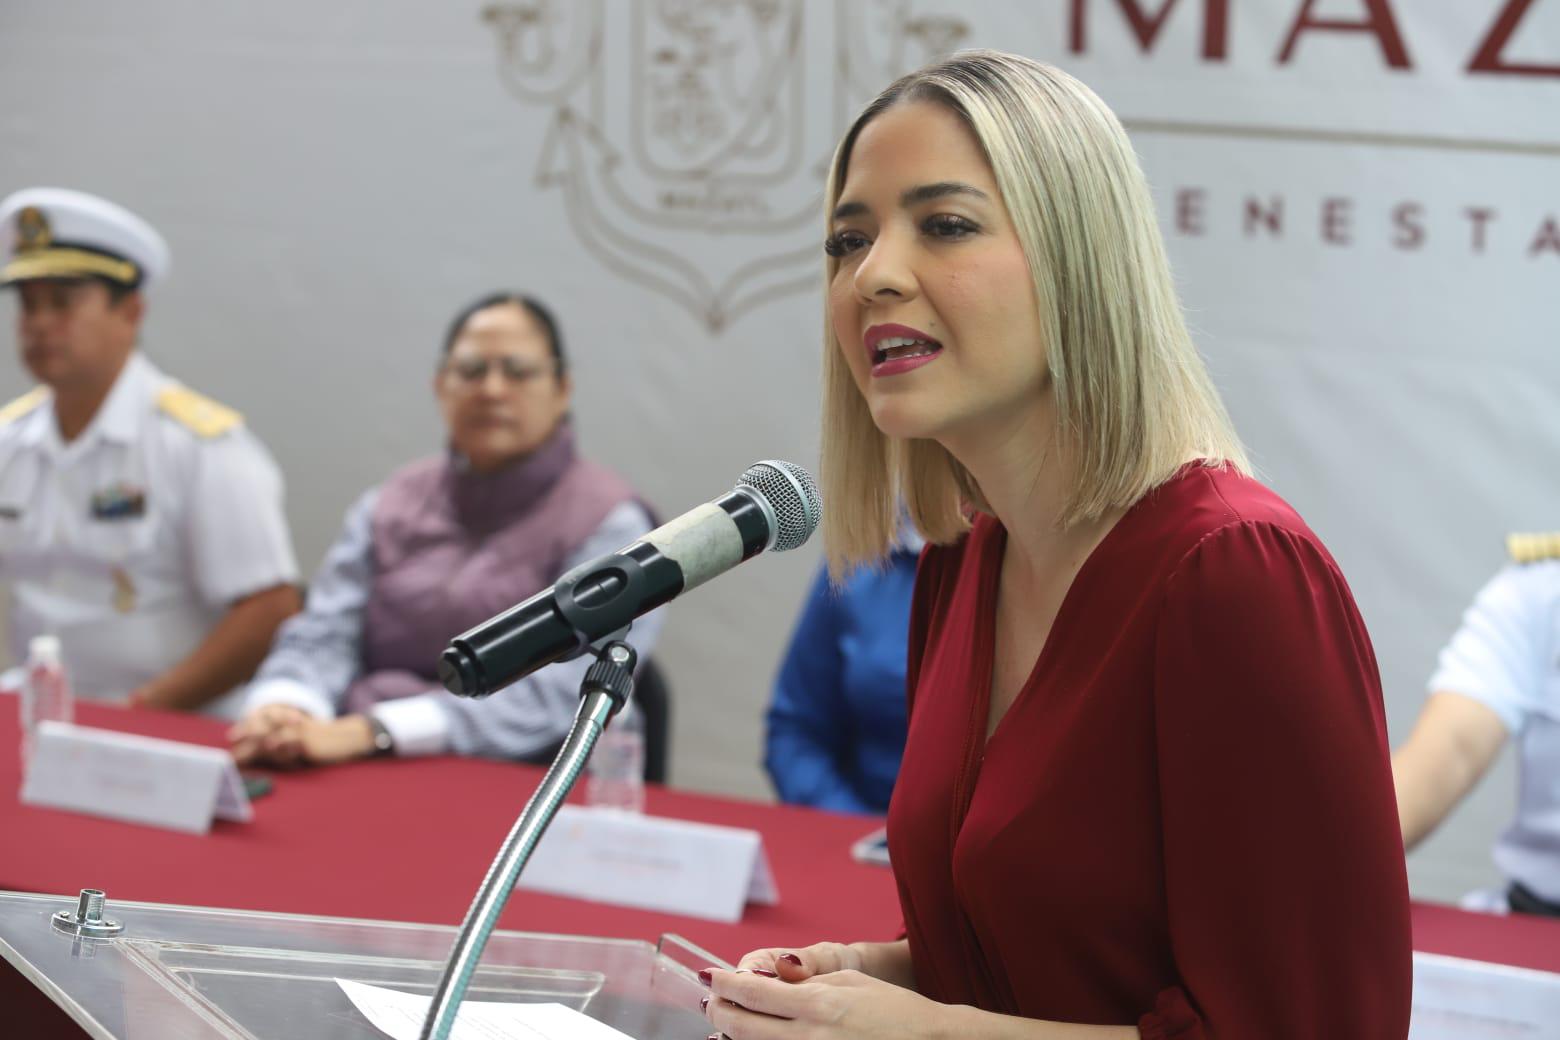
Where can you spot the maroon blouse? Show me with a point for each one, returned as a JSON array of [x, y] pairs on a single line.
[[1186, 819]]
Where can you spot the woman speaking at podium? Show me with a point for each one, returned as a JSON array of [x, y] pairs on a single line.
[[1146, 788]]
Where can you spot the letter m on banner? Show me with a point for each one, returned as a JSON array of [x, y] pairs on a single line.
[[1146, 25]]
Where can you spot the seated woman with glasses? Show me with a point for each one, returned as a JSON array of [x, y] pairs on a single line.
[[440, 546]]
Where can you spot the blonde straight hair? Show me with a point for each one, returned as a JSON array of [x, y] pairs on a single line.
[[1134, 402]]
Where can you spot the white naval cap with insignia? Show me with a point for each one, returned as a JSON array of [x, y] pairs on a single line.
[[59, 233]]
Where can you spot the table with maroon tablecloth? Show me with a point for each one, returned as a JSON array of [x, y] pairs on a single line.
[[410, 840]]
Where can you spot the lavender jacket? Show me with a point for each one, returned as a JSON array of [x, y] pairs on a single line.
[[318, 660]]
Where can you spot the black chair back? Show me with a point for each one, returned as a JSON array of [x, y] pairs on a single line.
[[655, 707]]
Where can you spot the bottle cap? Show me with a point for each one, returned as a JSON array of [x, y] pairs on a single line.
[[44, 649]]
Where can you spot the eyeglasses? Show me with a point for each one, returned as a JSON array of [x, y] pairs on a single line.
[[473, 370]]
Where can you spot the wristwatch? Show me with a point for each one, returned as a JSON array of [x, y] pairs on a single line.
[[384, 743]]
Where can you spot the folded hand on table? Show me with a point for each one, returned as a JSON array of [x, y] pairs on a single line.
[[282, 735]]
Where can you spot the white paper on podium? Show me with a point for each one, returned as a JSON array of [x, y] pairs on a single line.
[[164, 783], [1456, 999], [401, 1016], [652, 863]]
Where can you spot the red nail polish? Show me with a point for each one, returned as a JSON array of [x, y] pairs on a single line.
[[791, 958], [765, 972], [705, 976], [704, 1005]]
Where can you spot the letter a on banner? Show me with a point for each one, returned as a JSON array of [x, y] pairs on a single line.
[[1378, 21]]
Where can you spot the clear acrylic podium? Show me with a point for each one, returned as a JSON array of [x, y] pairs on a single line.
[[191, 973]]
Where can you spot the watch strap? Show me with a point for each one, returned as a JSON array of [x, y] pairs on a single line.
[[384, 743]]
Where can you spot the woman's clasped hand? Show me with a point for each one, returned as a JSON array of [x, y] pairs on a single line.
[[823, 990]]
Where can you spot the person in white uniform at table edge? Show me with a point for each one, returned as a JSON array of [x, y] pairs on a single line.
[[1498, 677], [140, 522]]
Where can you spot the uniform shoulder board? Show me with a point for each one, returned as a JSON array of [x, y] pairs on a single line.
[[196, 412], [1531, 548], [23, 405]]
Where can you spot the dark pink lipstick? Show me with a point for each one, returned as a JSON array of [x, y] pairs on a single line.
[[894, 349]]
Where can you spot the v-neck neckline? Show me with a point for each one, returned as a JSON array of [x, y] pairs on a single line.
[[990, 577]]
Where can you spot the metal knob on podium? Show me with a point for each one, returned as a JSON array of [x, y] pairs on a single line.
[[87, 920]]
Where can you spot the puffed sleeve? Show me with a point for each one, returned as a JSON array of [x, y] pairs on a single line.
[[1284, 875], [239, 542]]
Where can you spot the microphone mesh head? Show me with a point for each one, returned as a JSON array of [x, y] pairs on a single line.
[[792, 494]]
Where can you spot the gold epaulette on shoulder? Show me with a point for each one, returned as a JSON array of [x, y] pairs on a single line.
[[197, 413], [23, 405], [1531, 548]]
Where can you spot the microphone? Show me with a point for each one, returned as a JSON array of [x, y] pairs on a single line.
[[775, 505]]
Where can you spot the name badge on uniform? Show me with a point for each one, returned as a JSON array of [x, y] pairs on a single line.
[[120, 502]]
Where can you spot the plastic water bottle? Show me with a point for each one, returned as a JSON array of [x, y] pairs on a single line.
[[46, 693], [617, 765]]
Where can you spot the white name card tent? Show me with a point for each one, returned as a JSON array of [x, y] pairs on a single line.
[[651, 863], [163, 783], [1456, 999]]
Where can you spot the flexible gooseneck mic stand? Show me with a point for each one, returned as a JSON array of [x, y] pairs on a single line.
[[605, 689]]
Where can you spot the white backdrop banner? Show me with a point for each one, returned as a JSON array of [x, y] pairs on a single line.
[[1360, 198]]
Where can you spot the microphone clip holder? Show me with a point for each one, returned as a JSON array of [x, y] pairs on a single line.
[[613, 672], [599, 596]]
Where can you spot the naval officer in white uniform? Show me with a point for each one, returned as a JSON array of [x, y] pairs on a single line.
[[140, 522], [1499, 677]]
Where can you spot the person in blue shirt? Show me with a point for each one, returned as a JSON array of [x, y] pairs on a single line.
[[836, 727]]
